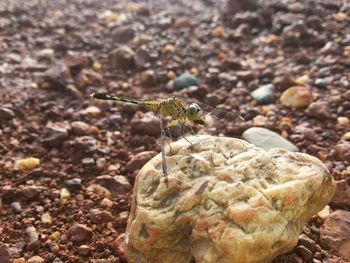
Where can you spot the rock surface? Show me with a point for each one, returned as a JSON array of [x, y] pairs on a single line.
[[335, 233], [228, 201]]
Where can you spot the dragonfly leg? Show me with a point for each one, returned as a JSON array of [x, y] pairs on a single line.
[[164, 165], [183, 136], [171, 139]]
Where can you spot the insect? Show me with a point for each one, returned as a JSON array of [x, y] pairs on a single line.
[[180, 112]]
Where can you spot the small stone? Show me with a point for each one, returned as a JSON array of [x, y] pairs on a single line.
[[319, 110], [100, 217], [106, 203], [122, 58], [335, 233], [341, 197], [267, 139], [260, 120], [304, 253], [32, 236], [27, 164], [91, 110], [46, 53], [88, 161], [307, 242], [99, 189], [116, 185], [145, 123], [6, 114], [139, 160], [303, 80], [46, 218], [18, 260], [297, 97], [265, 94], [5, 256], [80, 233], [343, 121], [73, 184], [184, 81], [84, 250], [341, 17], [324, 213], [64, 195], [85, 143], [31, 192], [148, 78], [321, 83], [55, 134], [343, 150], [80, 128], [123, 34], [36, 259], [16, 207]]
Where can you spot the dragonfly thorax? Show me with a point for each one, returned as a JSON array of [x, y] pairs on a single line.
[[194, 112]]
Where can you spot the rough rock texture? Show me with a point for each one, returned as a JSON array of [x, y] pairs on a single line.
[[226, 201]]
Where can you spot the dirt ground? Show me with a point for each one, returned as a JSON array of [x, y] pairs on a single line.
[[54, 54]]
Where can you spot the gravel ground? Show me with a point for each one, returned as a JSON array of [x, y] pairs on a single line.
[[54, 54]]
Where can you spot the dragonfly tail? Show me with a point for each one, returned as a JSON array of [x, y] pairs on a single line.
[[104, 96]]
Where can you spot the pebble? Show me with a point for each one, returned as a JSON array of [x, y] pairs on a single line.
[[36, 259], [32, 238], [122, 58], [319, 110], [46, 53], [307, 242], [335, 233], [148, 78], [88, 161], [85, 143], [5, 256], [146, 123], [92, 111], [267, 139], [304, 253], [341, 197], [343, 121], [16, 207], [303, 80], [31, 192], [6, 114], [321, 83], [84, 250], [55, 134], [185, 80], [99, 189], [139, 160], [116, 185], [260, 120], [46, 218], [79, 233], [265, 94], [27, 164], [73, 184], [99, 217], [80, 128], [324, 213], [342, 150], [297, 97], [123, 34], [64, 195], [18, 260]]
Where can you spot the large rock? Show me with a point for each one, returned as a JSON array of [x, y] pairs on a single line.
[[226, 201]]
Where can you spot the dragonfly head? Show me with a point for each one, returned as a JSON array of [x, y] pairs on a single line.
[[194, 112]]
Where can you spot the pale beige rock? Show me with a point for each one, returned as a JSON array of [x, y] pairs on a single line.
[[226, 201]]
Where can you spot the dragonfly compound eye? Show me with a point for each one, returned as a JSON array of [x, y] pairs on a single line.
[[194, 112]]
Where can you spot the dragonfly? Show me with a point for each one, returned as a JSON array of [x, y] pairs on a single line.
[[181, 113]]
